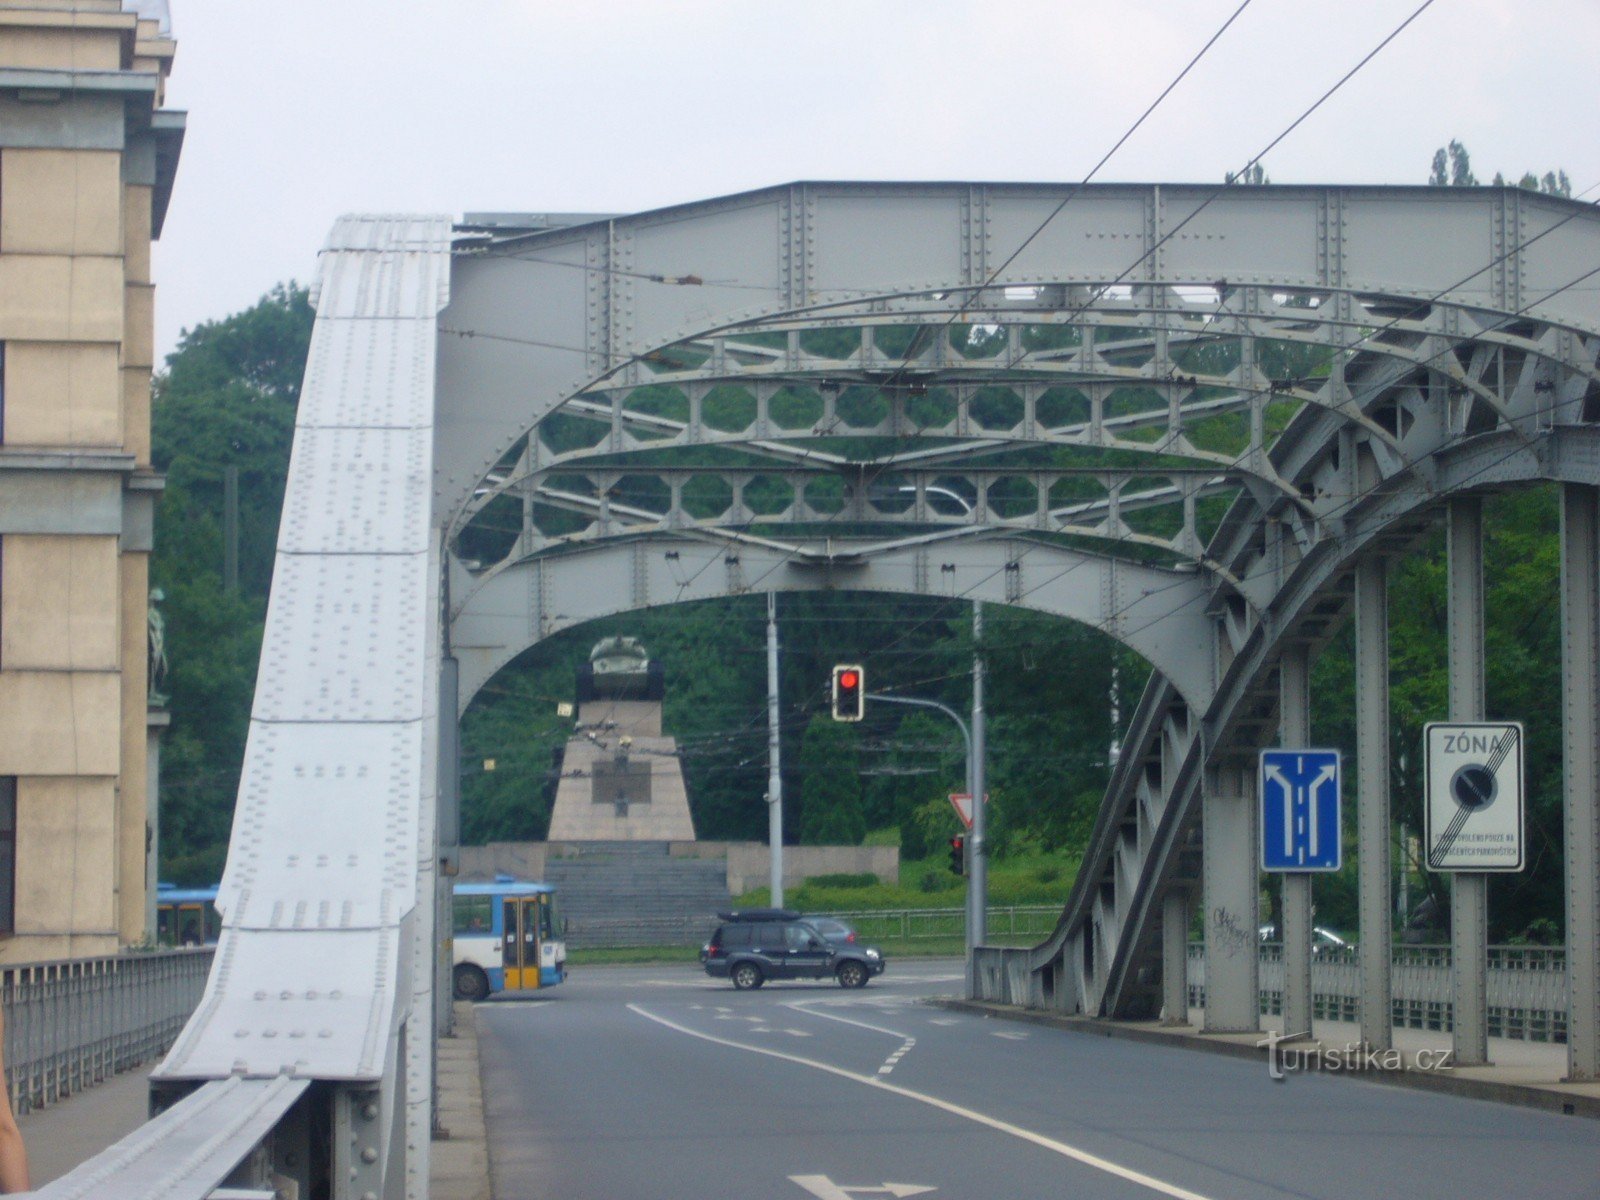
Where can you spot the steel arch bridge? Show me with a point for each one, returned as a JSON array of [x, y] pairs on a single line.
[[1196, 418]]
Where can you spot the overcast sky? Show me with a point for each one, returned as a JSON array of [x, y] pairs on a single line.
[[300, 110]]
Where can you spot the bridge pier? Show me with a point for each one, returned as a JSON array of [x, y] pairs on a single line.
[[1580, 731], [1469, 890], [1294, 708], [1375, 1008], [1232, 899]]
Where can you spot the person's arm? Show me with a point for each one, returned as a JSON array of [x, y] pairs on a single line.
[[13, 1154]]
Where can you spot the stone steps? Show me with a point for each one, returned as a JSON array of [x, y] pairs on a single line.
[[636, 894]]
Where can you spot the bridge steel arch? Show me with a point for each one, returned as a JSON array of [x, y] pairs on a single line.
[[1452, 347], [1458, 352]]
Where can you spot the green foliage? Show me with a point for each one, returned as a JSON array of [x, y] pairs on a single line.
[[843, 879], [830, 789], [1522, 644], [227, 399], [1452, 167]]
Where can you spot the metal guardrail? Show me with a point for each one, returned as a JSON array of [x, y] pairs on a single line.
[[914, 924], [73, 1023], [892, 924], [1527, 988]]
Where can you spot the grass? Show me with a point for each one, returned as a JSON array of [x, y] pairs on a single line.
[[893, 949], [614, 955], [1024, 879], [929, 883]]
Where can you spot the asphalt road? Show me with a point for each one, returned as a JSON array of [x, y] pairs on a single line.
[[656, 1083]]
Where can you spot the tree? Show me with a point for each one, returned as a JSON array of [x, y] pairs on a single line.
[[226, 399], [1254, 175], [1452, 167], [830, 795]]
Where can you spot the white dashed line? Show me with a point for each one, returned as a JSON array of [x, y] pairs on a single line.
[[1065, 1149], [890, 1063]]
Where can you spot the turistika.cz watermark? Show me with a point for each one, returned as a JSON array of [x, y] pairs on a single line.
[[1352, 1057]]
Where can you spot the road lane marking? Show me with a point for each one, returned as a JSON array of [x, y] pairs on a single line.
[[945, 1021], [824, 1188], [890, 1063], [1011, 1035], [1054, 1145]]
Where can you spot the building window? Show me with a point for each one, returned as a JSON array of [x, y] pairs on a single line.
[[8, 853]]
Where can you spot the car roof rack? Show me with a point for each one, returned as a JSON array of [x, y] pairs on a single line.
[[759, 914]]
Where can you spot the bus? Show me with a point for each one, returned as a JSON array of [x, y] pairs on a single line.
[[187, 916], [507, 938]]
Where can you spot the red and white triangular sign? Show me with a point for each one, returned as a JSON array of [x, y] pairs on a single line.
[[963, 803]]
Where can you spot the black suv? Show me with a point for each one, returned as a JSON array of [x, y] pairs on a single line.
[[758, 944]]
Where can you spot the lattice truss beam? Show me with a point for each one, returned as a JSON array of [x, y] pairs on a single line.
[[1129, 416]]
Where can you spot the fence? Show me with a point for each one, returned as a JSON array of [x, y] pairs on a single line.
[[1032, 921], [74, 1023], [1527, 988]]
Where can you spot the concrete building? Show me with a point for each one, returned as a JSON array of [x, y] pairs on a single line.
[[87, 157]]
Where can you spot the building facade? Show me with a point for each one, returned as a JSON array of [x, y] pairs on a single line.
[[87, 157]]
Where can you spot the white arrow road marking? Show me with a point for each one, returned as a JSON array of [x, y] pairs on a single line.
[[1010, 1035], [1066, 1150], [890, 1063], [824, 1188]]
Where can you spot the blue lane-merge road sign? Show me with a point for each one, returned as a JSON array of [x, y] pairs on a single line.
[[1300, 810]]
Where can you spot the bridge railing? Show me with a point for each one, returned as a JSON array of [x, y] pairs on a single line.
[[73, 1023], [1527, 988]]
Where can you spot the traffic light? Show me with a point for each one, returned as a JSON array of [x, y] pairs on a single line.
[[958, 854], [849, 693]]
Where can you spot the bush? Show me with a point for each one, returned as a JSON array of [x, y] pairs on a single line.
[[843, 879]]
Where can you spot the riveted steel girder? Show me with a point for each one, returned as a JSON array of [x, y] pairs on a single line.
[[1160, 613]]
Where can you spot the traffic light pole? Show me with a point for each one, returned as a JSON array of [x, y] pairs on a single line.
[[774, 772], [977, 895], [977, 853]]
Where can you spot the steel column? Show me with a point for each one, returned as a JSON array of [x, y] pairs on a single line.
[[1232, 900], [1175, 957], [1469, 890], [1580, 731], [1294, 706], [1372, 812]]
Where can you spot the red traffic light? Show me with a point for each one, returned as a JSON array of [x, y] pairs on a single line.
[[849, 699]]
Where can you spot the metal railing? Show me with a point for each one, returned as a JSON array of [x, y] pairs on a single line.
[[1031, 921], [919, 924], [73, 1023], [1527, 988]]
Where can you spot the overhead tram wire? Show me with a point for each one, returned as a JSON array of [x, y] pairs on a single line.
[[1368, 337], [1255, 159], [993, 275], [1056, 212], [1229, 183], [899, 371]]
